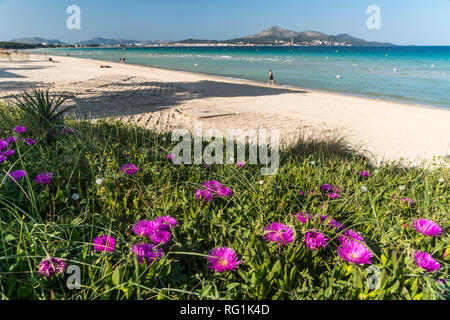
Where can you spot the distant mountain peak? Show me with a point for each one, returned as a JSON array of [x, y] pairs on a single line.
[[345, 35], [313, 33], [276, 35], [274, 32], [104, 41], [118, 41], [276, 29], [37, 40]]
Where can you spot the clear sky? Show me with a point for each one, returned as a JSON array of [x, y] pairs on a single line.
[[420, 22]]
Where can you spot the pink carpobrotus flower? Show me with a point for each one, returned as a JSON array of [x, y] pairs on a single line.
[[224, 192], [147, 251], [104, 243], [279, 233], [212, 185], [330, 191], [206, 195], [129, 169], [167, 220], [161, 235], [315, 240], [8, 153], [355, 252], [223, 259], [29, 141], [170, 157], [19, 129], [11, 140], [44, 178], [3, 158], [326, 188], [217, 188], [68, 131], [427, 227], [332, 223], [3, 145], [364, 174], [17, 175], [212, 188], [156, 232], [350, 235], [300, 192], [240, 164], [145, 228], [333, 195], [51, 266], [407, 201], [425, 261], [303, 217]]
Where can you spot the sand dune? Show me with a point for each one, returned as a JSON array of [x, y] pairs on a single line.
[[165, 99]]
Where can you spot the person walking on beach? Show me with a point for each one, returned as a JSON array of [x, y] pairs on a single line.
[[270, 77]]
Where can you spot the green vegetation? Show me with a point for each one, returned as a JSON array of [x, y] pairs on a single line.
[[46, 111], [38, 221], [23, 46], [16, 46]]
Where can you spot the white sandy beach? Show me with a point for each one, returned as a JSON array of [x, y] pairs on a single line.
[[167, 99]]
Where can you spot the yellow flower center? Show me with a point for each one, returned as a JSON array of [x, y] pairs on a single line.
[[223, 262], [354, 256]]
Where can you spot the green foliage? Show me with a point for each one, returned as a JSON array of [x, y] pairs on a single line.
[[37, 106], [39, 221], [16, 46]]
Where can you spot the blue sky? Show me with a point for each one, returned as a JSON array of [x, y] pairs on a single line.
[[420, 22]]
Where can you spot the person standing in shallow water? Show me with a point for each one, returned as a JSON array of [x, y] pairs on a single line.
[[270, 77]]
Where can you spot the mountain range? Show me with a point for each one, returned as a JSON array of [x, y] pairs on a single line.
[[118, 41], [38, 40], [93, 41], [272, 35], [275, 35]]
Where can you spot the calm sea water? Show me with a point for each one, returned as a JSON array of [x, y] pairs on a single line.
[[418, 75]]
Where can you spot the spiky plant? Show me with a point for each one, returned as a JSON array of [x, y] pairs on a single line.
[[42, 108]]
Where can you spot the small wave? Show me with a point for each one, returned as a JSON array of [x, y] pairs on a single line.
[[223, 58]]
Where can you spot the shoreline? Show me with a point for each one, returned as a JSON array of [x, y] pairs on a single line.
[[154, 97], [295, 87]]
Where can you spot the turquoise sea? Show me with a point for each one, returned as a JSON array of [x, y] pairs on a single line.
[[414, 74]]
